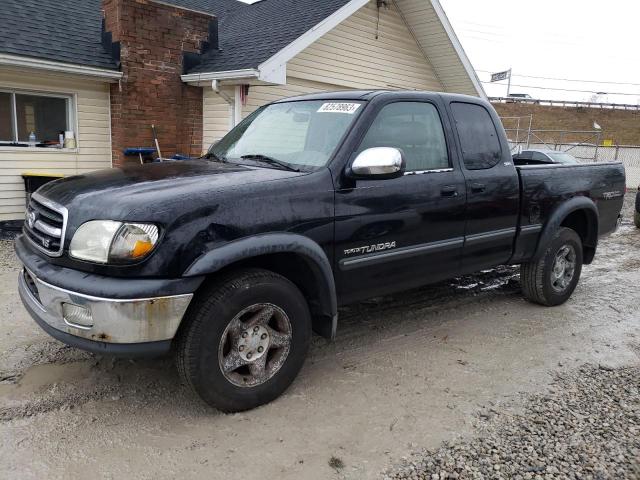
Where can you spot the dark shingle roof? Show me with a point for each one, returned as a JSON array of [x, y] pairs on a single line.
[[252, 35], [60, 30], [70, 30]]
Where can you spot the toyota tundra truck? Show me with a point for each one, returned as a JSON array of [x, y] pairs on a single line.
[[230, 261]]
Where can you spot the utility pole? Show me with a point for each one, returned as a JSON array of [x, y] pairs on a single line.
[[509, 84]]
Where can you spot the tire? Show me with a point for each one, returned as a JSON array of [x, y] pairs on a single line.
[[636, 218], [540, 283], [216, 336]]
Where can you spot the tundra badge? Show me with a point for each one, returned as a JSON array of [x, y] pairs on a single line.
[[371, 248]]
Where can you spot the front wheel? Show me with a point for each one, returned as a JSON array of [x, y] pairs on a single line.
[[554, 276], [244, 340]]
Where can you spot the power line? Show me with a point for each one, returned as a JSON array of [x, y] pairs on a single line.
[[570, 90], [569, 79]]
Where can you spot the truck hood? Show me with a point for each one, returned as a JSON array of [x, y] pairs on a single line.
[[146, 192]]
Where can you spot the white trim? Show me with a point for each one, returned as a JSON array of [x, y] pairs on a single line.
[[444, 20], [39, 64], [38, 150]]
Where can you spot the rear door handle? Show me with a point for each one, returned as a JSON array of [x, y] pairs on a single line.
[[478, 187], [449, 191]]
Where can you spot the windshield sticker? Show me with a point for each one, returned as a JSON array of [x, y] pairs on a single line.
[[348, 108]]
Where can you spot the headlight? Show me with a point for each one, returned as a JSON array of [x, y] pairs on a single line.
[[106, 241]]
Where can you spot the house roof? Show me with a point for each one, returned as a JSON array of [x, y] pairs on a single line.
[[261, 36], [67, 31]]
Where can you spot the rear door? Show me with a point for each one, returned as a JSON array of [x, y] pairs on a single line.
[[398, 233], [492, 187]]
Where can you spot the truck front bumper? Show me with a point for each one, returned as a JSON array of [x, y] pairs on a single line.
[[106, 315], [138, 326]]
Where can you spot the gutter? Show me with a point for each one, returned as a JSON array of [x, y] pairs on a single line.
[[51, 66], [248, 73]]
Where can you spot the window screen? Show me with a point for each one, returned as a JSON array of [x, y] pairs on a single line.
[[478, 136], [415, 129]]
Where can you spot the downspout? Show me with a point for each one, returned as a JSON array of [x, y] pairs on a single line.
[[237, 111], [232, 101]]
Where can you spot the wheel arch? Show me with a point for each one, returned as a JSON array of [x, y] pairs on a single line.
[[295, 257], [581, 215]]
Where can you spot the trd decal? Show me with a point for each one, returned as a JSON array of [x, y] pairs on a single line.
[[371, 248]]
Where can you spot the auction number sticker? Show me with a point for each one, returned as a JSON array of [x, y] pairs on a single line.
[[348, 108]]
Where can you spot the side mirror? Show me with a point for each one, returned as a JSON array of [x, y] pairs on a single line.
[[378, 163]]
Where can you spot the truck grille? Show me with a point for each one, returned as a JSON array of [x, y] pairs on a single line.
[[45, 225]]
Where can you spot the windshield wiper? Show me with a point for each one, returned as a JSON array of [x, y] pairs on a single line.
[[217, 158], [270, 160]]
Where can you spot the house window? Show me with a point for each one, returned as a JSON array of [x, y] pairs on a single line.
[[46, 115]]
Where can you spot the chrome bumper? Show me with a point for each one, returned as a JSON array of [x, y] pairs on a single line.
[[106, 320]]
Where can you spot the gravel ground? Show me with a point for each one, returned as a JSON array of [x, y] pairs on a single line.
[[8, 259], [587, 426]]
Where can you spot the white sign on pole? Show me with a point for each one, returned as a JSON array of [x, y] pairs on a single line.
[[496, 77]]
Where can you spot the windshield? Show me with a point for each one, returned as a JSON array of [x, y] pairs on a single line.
[[302, 134], [561, 157]]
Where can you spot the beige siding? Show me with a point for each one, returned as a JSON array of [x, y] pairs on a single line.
[[350, 56], [216, 116], [435, 42], [260, 95], [93, 135]]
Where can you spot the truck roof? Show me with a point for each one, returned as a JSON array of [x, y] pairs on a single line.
[[366, 95]]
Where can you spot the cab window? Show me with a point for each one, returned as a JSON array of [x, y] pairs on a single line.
[[478, 136], [415, 129]]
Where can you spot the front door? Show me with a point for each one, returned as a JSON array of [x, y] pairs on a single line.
[[399, 233]]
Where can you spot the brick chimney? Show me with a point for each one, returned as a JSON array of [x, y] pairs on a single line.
[[153, 38]]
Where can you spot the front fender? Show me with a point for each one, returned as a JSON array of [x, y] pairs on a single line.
[[558, 216], [273, 243]]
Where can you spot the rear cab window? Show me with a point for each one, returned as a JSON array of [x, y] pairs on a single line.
[[478, 136]]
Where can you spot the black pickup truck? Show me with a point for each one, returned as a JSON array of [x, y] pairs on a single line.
[[310, 203]]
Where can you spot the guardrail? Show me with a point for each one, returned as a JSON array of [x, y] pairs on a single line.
[[565, 103]]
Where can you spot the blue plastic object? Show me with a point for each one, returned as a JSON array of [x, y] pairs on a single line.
[[144, 151]]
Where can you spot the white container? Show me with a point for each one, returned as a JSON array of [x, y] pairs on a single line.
[[69, 139]]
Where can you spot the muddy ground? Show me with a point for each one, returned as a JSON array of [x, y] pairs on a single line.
[[407, 372]]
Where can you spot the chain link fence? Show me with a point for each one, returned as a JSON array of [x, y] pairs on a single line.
[[584, 145]]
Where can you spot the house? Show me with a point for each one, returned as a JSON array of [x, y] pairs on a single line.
[[106, 70]]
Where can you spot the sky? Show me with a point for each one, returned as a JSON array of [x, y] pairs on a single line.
[[592, 45], [588, 40]]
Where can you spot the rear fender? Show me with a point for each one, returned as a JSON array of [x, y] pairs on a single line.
[[560, 214]]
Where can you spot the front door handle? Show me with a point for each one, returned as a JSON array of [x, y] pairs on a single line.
[[449, 191], [478, 187]]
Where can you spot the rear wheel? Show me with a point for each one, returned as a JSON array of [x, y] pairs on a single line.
[[244, 340], [554, 276]]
